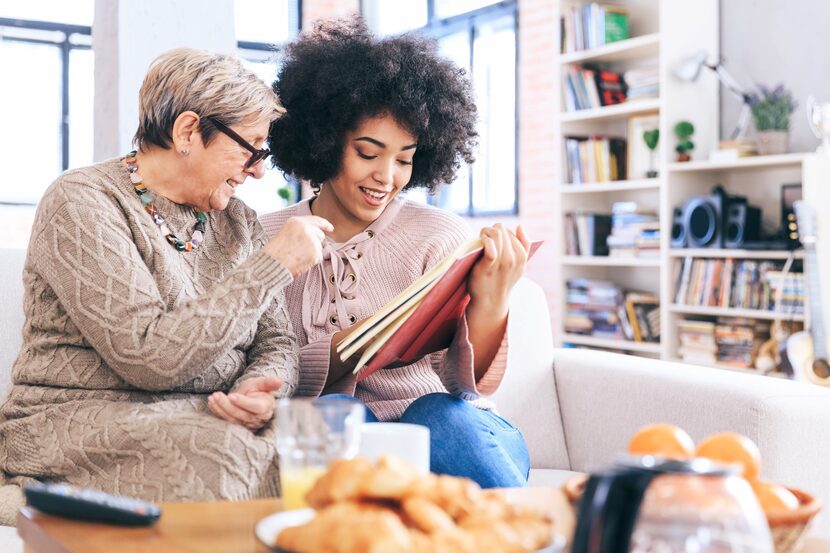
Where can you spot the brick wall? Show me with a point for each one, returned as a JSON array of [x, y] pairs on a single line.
[[538, 103]]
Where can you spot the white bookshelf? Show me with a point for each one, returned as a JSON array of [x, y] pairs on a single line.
[[624, 50], [619, 111], [711, 311], [612, 186]]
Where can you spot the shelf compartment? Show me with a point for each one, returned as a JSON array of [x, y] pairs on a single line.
[[746, 163], [610, 186], [736, 254], [625, 345], [617, 111], [636, 48], [710, 311], [609, 261]]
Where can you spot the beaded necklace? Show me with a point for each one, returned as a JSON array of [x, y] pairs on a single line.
[[147, 201]]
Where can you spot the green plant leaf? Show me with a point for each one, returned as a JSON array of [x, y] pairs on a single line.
[[651, 138]]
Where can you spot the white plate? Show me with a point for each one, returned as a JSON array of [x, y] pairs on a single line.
[[270, 527]]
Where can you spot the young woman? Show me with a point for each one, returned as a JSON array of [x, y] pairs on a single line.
[[366, 119]]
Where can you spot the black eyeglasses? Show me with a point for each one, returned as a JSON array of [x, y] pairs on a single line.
[[257, 155]]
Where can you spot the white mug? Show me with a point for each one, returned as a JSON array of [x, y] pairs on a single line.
[[409, 442]]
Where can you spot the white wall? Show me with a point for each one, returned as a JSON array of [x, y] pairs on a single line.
[[773, 41]]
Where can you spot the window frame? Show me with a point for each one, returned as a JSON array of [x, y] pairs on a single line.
[[65, 46], [469, 22]]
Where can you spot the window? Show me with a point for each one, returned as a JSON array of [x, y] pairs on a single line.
[[39, 141], [480, 36], [261, 27]]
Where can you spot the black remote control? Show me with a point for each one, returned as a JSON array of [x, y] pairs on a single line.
[[72, 502]]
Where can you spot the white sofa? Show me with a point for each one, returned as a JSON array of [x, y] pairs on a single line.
[[577, 408]]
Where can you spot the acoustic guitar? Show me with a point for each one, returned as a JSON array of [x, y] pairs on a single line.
[[807, 351]]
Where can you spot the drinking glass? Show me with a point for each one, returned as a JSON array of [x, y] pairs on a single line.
[[310, 434]]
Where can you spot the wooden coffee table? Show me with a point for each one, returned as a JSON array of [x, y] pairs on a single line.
[[208, 527]]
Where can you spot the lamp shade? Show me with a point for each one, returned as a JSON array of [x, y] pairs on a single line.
[[689, 69]]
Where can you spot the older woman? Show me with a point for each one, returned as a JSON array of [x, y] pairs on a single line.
[[394, 115], [153, 298]]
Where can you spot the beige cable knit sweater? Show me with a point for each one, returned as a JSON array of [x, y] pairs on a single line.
[[125, 338]]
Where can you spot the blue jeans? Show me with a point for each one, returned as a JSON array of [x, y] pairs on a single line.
[[467, 441]]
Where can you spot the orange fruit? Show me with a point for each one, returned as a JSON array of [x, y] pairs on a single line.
[[662, 440], [773, 497], [732, 448]]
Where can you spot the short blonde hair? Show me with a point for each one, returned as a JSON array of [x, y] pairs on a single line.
[[211, 85]]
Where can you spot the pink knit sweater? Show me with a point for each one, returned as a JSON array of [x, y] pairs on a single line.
[[355, 279]]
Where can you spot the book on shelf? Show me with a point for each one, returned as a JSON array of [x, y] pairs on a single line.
[[420, 320], [727, 341], [738, 283], [603, 309], [642, 82], [633, 233], [590, 87], [593, 159], [591, 25], [587, 233]]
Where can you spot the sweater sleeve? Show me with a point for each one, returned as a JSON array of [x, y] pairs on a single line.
[[456, 368], [274, 349], [89, 259]]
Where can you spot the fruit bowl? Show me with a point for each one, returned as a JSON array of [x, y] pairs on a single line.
[[789, 528]]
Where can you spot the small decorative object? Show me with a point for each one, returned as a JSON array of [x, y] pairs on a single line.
[[819, 116], [684, 131], [286, 193], [651, 138], [771, 111], [640, 158]]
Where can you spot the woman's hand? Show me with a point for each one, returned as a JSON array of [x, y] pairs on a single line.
[[299, 243], [491, 280], [252, 404], [498, 270]]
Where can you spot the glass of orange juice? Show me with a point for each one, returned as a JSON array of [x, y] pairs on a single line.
[[310, 434]]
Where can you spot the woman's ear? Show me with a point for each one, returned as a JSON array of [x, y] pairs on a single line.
[[185, 131]]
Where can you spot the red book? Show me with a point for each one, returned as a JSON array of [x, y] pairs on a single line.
[[419, 321]]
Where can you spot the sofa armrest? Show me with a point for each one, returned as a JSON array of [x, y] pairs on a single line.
[[527, 395]]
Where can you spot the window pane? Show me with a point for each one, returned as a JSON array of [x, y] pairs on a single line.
[[76, 12], [268, 21], [416, 195], [456, 197], [494, 79], [448, 8], [391, 17], [81, 91], [31, 157]]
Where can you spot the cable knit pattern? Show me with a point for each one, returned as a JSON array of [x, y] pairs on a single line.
[[125, 338], [396, 249]]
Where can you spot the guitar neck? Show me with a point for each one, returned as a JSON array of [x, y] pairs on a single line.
[[814, 297]]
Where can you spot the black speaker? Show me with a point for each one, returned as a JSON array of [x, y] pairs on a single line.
[[678, 229], [703, 220], [743, 224]]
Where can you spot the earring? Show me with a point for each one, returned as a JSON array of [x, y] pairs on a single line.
[[184, 151]]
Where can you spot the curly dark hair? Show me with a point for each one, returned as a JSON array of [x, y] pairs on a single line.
[[339, 74]]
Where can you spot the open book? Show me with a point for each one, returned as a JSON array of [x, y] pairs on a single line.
[[420, 320]]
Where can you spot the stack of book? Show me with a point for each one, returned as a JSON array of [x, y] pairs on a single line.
[[591, 87], [642, 82], [591, 25], [738, 341], [603, 309], [697, 342], [633, 233], [595, 159], [593, 308], [742, 284], [587, 233]]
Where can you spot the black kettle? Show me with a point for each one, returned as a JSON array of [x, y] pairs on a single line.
[[651, 505]]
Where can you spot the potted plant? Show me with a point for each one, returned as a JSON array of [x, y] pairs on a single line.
[[684, 131], [651, 138], [771, 111]]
